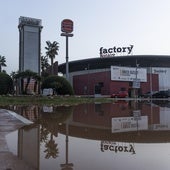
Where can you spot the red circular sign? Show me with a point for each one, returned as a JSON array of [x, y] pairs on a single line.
[[67, 26]]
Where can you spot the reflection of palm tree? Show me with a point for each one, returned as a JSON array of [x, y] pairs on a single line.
[[44, 134], [52, 150], [49, 124]]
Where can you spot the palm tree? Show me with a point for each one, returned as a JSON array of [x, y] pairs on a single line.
[[52, 51], [13, 74], [44, 63], [28, 74], [2, 62]]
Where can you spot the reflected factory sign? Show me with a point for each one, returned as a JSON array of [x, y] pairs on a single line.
[[127, 124], [117, 147]]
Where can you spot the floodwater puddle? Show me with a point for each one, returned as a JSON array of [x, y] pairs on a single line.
[[123, 135]]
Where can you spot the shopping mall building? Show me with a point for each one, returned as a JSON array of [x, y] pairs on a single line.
[[106, 75]]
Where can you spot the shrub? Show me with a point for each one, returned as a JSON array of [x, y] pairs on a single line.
[[6, 84], [59, 84]]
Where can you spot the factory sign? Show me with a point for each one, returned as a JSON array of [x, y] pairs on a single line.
[[115, 51]]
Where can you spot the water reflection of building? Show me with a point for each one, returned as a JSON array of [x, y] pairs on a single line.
[[29, 145], [94, 122], [90, 121], [91, 114], [127, 124], [94, 116], [31, 112], [43, 130]]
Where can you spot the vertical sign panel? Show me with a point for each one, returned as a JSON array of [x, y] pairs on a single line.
[[67, 26]]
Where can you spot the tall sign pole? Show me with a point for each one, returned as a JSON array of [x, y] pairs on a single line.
[[67, 29]]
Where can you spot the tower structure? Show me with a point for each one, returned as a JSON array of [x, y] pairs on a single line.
[[29, 44]]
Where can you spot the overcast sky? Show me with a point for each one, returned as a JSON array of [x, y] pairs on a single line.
[[97, 23]]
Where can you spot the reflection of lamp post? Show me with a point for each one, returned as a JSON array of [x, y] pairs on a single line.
[[67, 166], [137, 117]]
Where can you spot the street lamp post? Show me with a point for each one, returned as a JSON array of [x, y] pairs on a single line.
[[151, 81], [137, 82], [67, 58]]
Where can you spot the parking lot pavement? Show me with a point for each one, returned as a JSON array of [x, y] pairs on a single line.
[[9, 161]]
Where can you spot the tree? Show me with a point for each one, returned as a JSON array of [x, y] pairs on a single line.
[[44, 63], [52, 51], [2, 62], [6, 84], [12, 75], [59, 84], [28, 75]]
